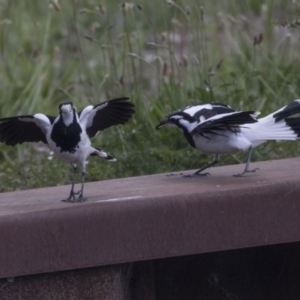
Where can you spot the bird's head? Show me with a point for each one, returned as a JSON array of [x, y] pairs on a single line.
[[180, 119], [66, 108], [67, 113], [170, 121]]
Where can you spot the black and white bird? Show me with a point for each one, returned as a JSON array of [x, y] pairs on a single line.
[[218, 129], [68, 135]]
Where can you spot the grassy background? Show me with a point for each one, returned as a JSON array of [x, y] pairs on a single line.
[[162, 54]]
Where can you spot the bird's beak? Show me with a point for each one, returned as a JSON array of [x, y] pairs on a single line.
[[163, 123]]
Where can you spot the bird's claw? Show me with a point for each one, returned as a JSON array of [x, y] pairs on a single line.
[[174, 174], [81, 199], [195, 174], [73, 199], [246, 171]]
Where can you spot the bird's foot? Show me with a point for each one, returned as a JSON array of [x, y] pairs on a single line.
[[195, 175], [69, 199], [246, 171], [174, 174], [80, 198], [73, 199]]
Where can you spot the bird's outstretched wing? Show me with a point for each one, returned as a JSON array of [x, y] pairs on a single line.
[[103, 115], [229, 121], [20, 129]]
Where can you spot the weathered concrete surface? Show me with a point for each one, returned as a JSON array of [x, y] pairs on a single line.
[[105, 283], [149, 217]]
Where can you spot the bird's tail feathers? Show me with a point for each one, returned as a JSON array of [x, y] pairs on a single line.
[[101, 153], [277, 126], [294, 124], [290, 109]]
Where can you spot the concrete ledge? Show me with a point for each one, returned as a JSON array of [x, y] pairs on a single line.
[[149, 217]]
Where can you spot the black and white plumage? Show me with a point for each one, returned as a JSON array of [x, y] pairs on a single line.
[[68, 135], [216, 128]]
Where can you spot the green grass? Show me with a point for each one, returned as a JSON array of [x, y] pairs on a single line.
[[88, 53]]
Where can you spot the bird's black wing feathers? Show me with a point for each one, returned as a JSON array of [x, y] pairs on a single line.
[[294, 123], [227, 122], [15, 130], [289, 110], [116, 111]]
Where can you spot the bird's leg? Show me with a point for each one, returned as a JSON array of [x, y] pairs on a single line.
[[71, 197], [83, 173], [80, 197], [198, 173], [247, 164]]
